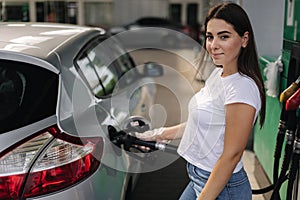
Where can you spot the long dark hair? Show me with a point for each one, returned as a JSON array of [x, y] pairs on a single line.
[[248, 59]]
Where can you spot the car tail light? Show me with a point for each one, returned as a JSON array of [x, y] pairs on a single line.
[[48, 162]]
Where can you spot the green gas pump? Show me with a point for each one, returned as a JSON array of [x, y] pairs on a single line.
[[265, 138]]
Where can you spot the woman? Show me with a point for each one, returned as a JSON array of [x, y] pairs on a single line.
[[222, 113]]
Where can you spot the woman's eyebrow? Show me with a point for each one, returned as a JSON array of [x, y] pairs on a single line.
[[219, 33], [222, 32]]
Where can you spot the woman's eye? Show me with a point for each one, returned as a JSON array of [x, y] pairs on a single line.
[[224, 37], [209, 37]]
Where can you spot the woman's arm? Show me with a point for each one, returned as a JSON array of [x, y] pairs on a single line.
[[239, 122], [173, 132]]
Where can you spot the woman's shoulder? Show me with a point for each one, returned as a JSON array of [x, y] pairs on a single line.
[[239, 79], [242, 86], [245, 80]]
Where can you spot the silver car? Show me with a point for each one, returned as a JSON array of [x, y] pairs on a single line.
[[61, 86]]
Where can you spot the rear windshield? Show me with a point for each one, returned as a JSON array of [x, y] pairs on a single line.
[[28, 93]]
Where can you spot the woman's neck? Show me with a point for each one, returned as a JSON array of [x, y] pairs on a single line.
[[227, 71]]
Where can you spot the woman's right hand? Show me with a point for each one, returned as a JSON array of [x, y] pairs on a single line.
[[163, 134], [152, 135]]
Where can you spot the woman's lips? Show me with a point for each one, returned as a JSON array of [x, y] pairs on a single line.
[[216, 55]]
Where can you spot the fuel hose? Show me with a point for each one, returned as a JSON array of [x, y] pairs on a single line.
[[290, 136], [294, 168]]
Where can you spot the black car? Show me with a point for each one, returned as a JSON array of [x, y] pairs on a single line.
[[158, 22], [152, 32]]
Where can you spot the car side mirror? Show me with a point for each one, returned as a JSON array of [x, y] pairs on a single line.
[[153, 69]]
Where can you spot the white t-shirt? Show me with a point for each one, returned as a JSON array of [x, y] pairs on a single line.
[[203, 139]]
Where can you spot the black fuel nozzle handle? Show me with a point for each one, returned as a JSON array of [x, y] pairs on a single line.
[[114, 136], [122, 139]]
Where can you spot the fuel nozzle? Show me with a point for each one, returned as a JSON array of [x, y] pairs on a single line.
[[287, 93], [294, 101], [123, 140]]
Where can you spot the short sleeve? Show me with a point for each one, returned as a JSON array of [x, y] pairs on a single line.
[[242, 90]]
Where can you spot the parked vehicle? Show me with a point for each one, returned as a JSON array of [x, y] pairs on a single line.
[[60, 87], [158, 22], [155, 31]]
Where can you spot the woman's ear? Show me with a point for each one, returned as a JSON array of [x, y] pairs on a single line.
[[245, 39]]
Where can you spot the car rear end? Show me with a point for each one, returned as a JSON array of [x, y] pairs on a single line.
[[38, 160], [36, 157]]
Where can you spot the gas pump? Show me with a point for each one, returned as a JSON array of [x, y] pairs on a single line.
[[289, 124], [292, 33], [283, 108], [292, 104]]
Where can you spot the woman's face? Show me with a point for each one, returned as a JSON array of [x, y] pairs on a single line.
[[223, 43]]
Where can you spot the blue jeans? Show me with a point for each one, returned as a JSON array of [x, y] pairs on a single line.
[[237, 188]]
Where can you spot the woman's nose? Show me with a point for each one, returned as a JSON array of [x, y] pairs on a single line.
[[214, 44]]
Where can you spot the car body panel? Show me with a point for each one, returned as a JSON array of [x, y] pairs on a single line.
[[17, 56], [79, 113], [30, 38], [22, 133]]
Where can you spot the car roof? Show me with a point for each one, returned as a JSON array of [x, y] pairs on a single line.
[[42, 40]]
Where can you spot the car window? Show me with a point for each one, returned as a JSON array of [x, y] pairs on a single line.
[[103, 65], [101, 78], [124, 63], [28, 93]]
